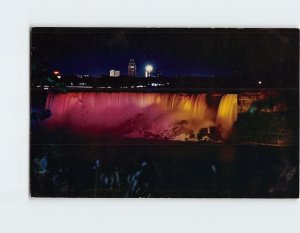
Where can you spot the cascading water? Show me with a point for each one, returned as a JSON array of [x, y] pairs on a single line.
[[227, 114], [135, 115]]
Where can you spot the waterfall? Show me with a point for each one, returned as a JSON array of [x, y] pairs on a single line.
[[171, 116], [227, 114]]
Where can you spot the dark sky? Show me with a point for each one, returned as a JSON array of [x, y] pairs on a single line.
[[250, 53]]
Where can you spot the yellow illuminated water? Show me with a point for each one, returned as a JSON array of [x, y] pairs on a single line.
[[227, 113]]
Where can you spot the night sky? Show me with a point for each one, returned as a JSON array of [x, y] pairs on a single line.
[[250, 53]]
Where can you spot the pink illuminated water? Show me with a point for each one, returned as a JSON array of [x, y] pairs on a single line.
[[139, 115]]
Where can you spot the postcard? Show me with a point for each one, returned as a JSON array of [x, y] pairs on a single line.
[[164, 112]]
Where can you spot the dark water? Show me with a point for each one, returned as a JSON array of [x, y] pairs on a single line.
[[178, 170]]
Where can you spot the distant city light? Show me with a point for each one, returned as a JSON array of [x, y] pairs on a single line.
[[114, 73], [56, 72], [259, 82], [148, 69]]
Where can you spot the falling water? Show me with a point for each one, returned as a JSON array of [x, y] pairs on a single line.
[[137, 115], [227, 114]]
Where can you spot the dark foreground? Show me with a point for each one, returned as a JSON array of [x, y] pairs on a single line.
[[175, 170]]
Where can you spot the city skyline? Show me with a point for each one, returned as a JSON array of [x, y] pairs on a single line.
[[173, 52]]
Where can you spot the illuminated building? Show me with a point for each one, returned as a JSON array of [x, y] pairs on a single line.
[[114, 73], [131, 68], [117, 73]]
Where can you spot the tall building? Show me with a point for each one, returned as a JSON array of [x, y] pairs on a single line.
[[131, 68]]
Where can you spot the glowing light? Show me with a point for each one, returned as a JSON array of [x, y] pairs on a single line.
[[149, 68], [56, 72], [259, 82], [148, 71]]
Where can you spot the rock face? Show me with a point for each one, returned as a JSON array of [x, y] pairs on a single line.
[[267, 101]]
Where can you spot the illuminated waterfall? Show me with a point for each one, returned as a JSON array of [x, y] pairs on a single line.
[[227, 113], [137, 115]]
